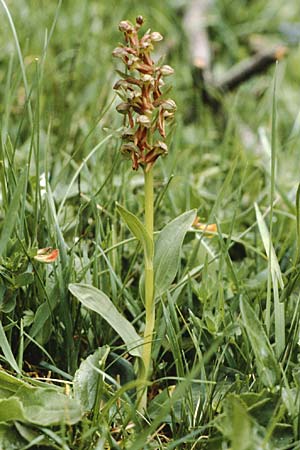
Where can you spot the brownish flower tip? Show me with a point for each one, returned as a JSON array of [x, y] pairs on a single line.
[[126, 27], [139, 20]]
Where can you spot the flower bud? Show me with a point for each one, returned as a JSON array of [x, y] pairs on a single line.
[[168, 115], [144, 120], [166, 70], [156, 37], [146, 78], [126, 27], [128, 135], [161, 147], [139, 20], [119, 52], [128, 148], [169, 105], [120, 84], [123, 108], [132, 62], [134, 96]]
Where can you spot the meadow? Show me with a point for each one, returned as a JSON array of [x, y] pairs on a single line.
[[155, 308]]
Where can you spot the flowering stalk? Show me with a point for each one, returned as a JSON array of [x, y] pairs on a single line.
[[146, 111]]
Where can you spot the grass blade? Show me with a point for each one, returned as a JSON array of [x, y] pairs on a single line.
[[4, 344], [12, 213], [266, 363]]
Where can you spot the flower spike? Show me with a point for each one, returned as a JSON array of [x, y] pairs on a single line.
[[143, 105]]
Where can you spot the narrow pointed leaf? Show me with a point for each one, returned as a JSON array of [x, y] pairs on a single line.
[[139, 231], [97, 301], [4, 345], [12, 214], [269, 249], [298, 221]]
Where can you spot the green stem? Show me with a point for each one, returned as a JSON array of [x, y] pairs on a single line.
[[149, 290]]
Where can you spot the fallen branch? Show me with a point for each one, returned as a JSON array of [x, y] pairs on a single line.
[[250, 67]]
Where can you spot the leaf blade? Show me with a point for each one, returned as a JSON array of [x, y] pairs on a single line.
[[13, 213], [265, 359], [167, 250], [97, 301], [4, 344], [139, 231]]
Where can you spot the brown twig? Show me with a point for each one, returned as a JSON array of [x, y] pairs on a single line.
[[250, 67]]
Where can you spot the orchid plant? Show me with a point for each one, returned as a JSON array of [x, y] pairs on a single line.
[[147, 110]]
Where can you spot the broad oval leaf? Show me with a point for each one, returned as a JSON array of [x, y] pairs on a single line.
[[41, 405], [139, 231], [97, 301], [266, 362], [46, 406], [167, 250]]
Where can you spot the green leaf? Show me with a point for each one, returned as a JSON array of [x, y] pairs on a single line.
[[43, 405], [86, 378], [11, 409], [12, 214], [139, 231], [46, 406], [97, 301], [4, 344], [298, 222], [8, 384], [41, 317], [265, 360], [9, 438], [269, 249], [33, 437], [237, 426], [167, 250]]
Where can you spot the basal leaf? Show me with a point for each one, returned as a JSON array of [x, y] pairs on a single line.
[[167, 250], [46, 406], [43, 406], [97, 301]]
